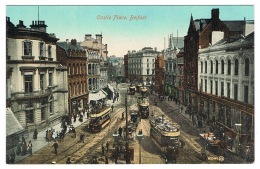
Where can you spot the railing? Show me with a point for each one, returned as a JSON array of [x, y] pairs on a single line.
[[35, 94]]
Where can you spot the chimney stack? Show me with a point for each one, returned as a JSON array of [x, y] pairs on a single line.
[[215, 19]]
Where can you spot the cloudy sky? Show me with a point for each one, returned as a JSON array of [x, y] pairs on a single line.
[[114, 22]]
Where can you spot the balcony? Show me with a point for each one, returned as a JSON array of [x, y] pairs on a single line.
[[32, 95], [42, 58], [28, 57]]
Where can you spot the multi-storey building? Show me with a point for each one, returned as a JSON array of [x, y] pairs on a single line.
[[201, 34], [159, 75], [36, 84], [226, 80], [126, 68], [170, 56], [116, 68], [141, 66], [96, 57], [73, 56], [179, 77]]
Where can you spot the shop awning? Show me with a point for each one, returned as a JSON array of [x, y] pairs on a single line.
[[96, 96], [12, 124]]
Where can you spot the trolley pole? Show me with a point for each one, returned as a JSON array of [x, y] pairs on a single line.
[[127, 158]]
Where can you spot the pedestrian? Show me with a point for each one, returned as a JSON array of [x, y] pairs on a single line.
[[12, 156], [68, 161], [112, 107], [81, 136], [47, 135], [24, 148], [123, 115], [107, 146], [247, 152], [75, 117], [106, 160], [74, 132], [120, 131], [102, 149], [55, 146], [116, 159], [35, 133], [30, 147]]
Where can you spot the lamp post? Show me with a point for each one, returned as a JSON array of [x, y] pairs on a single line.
[[139, 137], [238, 127]]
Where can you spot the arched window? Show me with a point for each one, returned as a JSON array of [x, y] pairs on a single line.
[[246, 67], [236, 67], [211, 66], [216, 67], [229, 67], [206, 68], [222, 66]]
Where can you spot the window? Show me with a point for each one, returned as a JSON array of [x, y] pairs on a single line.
[[41, 81], [148, 71], [222, 88], [228, 90], [246, 67], [29, 116], [206, 67], [229, 67], [51, 105], [236, 67], [235, 91], [28, 84], [216, 67], [153, 71], [49, 51], [211, 87], [211, 66], [147, 60], [147, 64], [246, 94], [222, 66], [201, 84], [201, 67], [43, 113], [205, 85], [50, 79], [216, 87], [27, 48], [41, 48]]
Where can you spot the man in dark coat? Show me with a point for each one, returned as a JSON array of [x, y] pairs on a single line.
[[55, 146], [103, 149], [120, 131], [107, 146], [35, 133]]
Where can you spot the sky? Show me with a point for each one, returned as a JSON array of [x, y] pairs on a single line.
[[121, 35]]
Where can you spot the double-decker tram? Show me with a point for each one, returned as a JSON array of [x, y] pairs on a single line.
[[143, 106], [99, 121], [138, 88], [166, 136]]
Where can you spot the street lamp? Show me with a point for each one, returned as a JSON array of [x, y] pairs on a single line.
[[139, 137], [238, 127]]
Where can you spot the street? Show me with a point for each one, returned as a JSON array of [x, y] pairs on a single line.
[[83, 153]]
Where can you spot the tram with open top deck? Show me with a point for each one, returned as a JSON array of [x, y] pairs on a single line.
[[166, 136], [143, 107], [132, 90], [99, 121]]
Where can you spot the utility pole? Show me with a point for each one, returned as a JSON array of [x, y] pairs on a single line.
[[127, 158]]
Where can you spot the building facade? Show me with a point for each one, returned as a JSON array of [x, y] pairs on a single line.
[[97, 57], [201, 34], [171, 65], [37, 91], [226, 80], [73, 56], [159, 75], [141, 66]]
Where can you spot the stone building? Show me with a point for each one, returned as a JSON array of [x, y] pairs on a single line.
[[226, 80], [141, 66], [159, 75], [201, 34], [36, 83], [73, 56]]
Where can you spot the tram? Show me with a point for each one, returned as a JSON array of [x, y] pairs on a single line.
[[99, 121], [143, 106], [166, 136], [132, 90]]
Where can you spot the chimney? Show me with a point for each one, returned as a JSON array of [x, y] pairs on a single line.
[[39, 25], [67, 41], [215, 19], [20, 25], [155, 49], [73, 42], [88, 36]]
